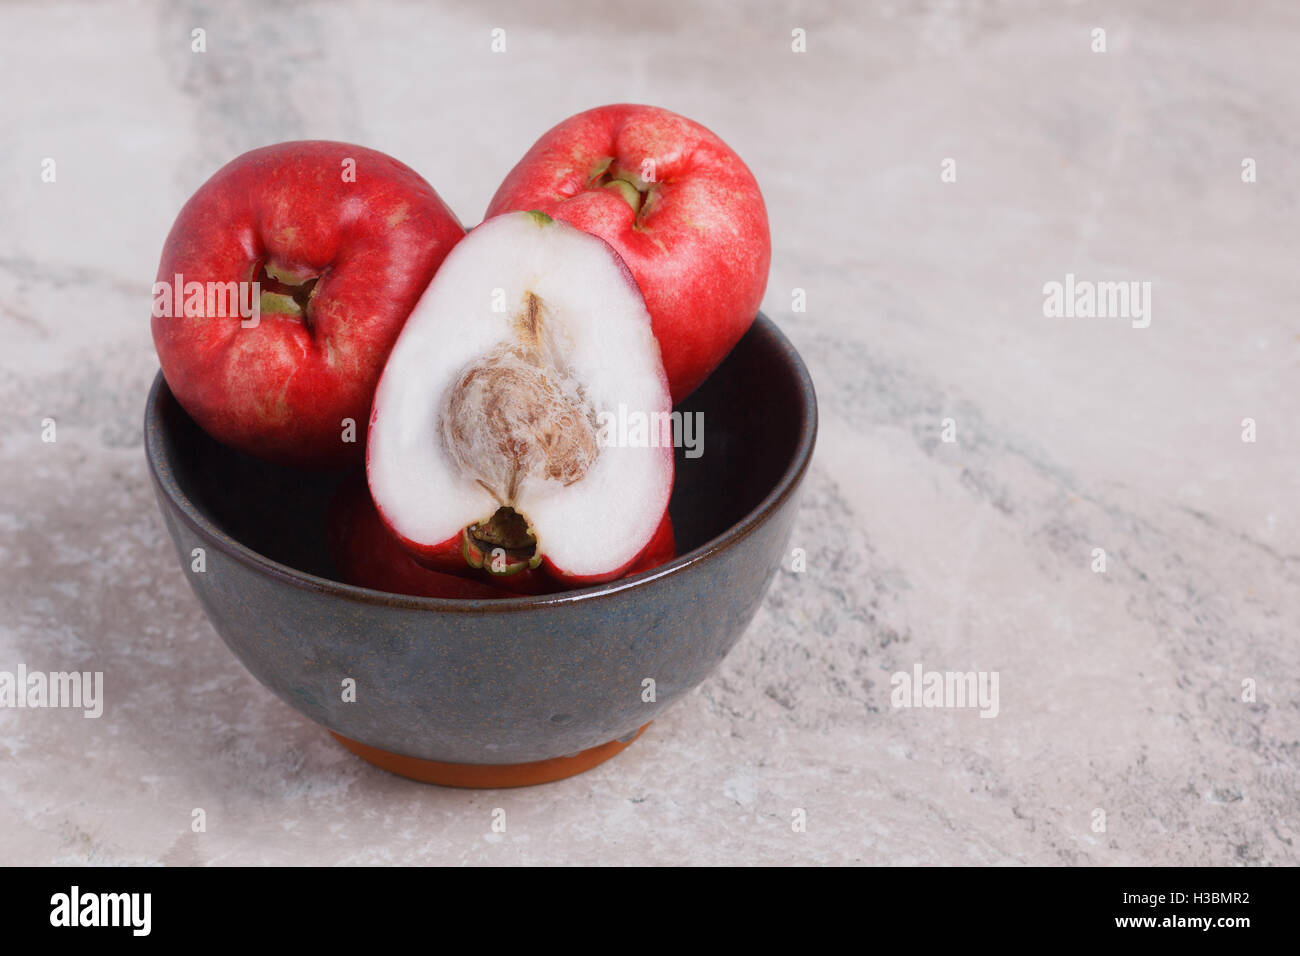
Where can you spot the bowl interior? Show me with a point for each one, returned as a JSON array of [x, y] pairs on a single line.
[[754, 415]]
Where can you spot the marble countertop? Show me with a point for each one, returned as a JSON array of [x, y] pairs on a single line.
[[929, 169]]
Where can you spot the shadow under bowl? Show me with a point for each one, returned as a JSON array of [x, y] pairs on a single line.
[[493, 692]]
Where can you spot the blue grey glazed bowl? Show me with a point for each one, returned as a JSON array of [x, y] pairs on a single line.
[[493, 692]]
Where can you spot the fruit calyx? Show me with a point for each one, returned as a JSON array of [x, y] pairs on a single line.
[[286, 291], [504, 544], [627, 183]]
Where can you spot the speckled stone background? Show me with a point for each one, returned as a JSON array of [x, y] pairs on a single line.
[[1120, 692]]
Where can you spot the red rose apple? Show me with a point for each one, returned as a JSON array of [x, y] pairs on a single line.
[[677, 204], [340, 241]]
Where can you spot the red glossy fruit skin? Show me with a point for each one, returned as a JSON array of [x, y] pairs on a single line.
[[367, 554], [281, 391], [700, 252]]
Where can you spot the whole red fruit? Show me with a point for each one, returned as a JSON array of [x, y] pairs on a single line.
[[678, 205], [342, 241]]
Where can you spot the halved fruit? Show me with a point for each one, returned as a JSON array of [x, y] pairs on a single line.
[[493, 443]]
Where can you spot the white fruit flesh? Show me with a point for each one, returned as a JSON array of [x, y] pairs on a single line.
[[493, 395]]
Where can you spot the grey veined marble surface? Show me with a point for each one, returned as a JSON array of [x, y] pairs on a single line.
[[929, 169]]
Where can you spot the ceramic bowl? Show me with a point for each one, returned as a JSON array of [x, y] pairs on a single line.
[[505, 692]]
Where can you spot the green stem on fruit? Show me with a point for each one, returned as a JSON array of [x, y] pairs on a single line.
[[277, 303], [288, 276], [597, 176], [286, 291], [631, 195], [639, 194]]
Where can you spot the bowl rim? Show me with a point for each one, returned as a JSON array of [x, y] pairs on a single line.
[[165, 481]]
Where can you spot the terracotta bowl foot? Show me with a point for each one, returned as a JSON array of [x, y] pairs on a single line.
[[488, 776]]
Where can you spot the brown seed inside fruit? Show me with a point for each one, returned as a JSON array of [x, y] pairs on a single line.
[[516, 415]]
